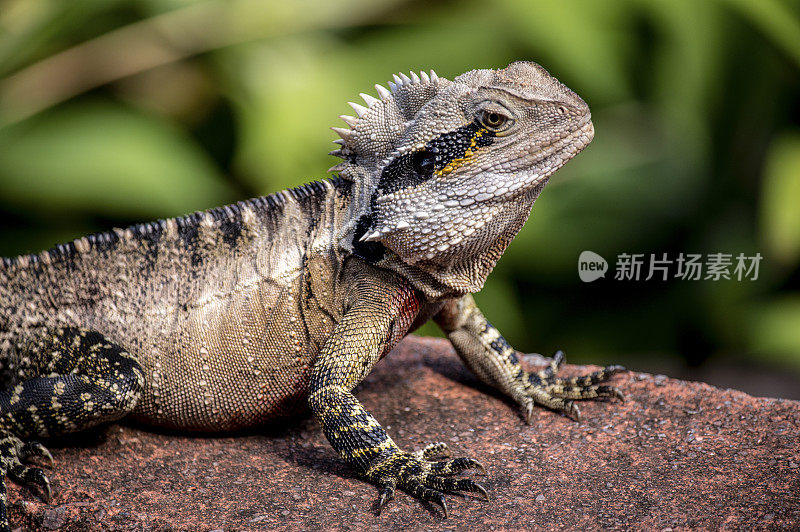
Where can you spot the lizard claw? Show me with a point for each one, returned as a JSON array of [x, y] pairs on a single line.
[[443, 503], [387, 494], [46, 490], [483, 491], [544, 388], [573, 411], [618, 394], [13, 452], [422, 478], [34, 448]]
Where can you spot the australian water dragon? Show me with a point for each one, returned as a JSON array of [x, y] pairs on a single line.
[[232, 317]]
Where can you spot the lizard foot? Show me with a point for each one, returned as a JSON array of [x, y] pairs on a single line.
[[424, 477], [13, 452], [559, 394]]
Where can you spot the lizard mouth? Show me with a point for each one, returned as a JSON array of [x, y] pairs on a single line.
[[539, 164], [553, 156]]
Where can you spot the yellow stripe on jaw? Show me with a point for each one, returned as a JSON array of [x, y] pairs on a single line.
[[458, 163]]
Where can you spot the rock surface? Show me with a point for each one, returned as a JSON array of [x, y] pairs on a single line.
[[675, 455]]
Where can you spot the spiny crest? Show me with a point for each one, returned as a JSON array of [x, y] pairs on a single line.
[[228, 223], [382, 120]]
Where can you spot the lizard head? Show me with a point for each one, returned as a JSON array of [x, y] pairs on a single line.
[[450, 169]]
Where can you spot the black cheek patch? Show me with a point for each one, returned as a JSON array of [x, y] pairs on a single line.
[[406, 171], [440, 156], [445, 152], [371, 252], [455, 145]]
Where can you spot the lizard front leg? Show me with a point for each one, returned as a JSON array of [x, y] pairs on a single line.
[[73, 379], [484, 350], [367, 330]]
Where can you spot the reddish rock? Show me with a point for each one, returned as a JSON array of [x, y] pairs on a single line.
[[675, 455]]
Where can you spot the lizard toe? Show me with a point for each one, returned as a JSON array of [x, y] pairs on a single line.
[[5, 526], [424, 479], [452, 485], [579, 393], [418, 489], [558, 393], [433, 451], [32, 477], [387, 494], [455, 466], [13, 451], [34, 449]]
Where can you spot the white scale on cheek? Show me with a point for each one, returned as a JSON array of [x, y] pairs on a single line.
[[437, 221], [514, 186]]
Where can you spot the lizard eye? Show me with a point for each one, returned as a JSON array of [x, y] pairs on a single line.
[[423, 163], [493, 120]]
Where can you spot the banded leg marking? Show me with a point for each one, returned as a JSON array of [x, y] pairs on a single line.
[[77, 380], [495, 362], [369, 328]]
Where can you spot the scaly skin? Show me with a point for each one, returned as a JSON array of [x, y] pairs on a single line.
[[232, 317]]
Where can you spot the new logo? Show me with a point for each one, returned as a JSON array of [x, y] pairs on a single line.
[[591, 266]]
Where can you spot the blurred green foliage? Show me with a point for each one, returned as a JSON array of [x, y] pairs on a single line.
[[119, 111]]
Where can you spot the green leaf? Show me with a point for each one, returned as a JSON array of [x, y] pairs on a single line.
[[103, 158], [583, 40], [779, 215], [774, 332], [777, 21]]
